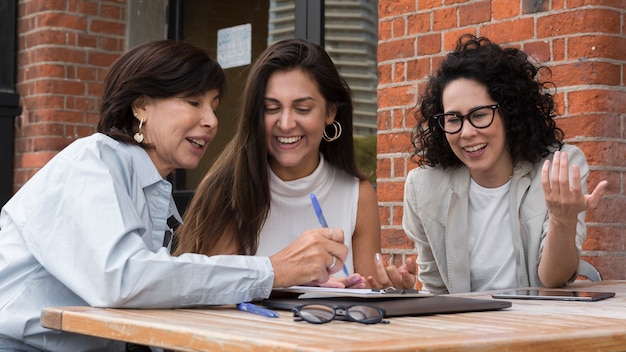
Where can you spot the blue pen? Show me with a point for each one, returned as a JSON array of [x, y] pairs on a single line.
[[254, 309], [322, 221]]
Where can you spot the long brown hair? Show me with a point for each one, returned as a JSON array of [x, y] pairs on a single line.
[[234, 196]]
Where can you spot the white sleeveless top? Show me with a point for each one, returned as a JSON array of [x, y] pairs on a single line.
[[291, 211]]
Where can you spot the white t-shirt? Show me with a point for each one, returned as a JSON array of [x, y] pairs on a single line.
[[491, 254]]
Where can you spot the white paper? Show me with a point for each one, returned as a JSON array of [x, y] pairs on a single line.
[[234, 46]]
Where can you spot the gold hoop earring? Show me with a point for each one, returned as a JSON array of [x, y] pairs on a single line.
[[139, 136], [338, 131]]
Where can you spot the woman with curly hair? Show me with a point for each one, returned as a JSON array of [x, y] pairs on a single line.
[[499, 200]]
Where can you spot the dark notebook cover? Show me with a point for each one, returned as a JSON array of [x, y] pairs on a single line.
[[438, 304]]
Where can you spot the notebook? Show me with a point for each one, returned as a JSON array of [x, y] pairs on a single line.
[[436, 304]]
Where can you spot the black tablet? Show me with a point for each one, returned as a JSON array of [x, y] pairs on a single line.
[[548, 294]]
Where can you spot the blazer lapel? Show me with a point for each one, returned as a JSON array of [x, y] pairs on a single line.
[[456, 232]]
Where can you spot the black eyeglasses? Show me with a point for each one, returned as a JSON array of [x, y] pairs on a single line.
[[321, 313], [479, 117]]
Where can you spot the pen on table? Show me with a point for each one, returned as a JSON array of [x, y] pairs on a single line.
[[322, 221], [254, 309]]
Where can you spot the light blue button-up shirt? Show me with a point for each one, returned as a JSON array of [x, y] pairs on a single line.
[[88, 229]]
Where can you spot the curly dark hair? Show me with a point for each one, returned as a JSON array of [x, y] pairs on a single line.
[[526, 105]]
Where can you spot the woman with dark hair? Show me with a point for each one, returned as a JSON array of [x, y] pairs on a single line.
[[294, 138], [494, 203], [91, 227]]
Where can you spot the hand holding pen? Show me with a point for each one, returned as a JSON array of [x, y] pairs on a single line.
[[322, 221]]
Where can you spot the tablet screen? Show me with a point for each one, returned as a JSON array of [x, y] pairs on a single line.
[[553, 295]]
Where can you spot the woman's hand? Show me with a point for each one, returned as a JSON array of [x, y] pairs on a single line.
[[392, 276], [564, 200], [310, 259]]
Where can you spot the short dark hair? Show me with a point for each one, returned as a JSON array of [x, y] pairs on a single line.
[[526, 104], [157, 69]]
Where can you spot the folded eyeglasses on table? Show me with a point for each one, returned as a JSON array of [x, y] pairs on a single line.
[[322, 313]]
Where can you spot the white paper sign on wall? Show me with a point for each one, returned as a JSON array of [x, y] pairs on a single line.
[[234, 46]]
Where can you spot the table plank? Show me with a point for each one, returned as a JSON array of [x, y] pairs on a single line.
[[526, 325]]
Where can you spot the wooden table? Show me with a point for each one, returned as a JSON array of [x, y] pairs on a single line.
[[527, 325]]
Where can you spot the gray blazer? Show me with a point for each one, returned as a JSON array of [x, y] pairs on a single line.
[[436, 216]]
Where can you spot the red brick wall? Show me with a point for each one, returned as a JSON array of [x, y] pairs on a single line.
[[64, 50], [582, 41]]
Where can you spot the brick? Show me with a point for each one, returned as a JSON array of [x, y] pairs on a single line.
[[503, 10], [61, 20], [88, 8], [385, 216], [475, 13], [590, 125], [418, 23], [428, 4], [47, 86], [383, 168], [539, 50], [45, 5], [112, 12], [399, 27], [596, 100], [583, 72], [399, 72], [398, 212], [558, 49], [604, 153], [384, 120], [86, 41], [385, 29], [58, 116], [588, 20], [398, 95], [418, 69], [36, 160], [85, 73], [390, 191], [618, 4], [396, 239], [428, 44], [395, 142], [44, 129], [596, 46], [44, 102], [610, 210], [612, 267], [445, 18], [394, 8], [47, 37], [62, 54], [44, 70], [398, 166], [558, 4], [396, 49], [509, 31], [397, 116], [107, 27], [451, 37], [50, 143], [614, 179], [82, 103]]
